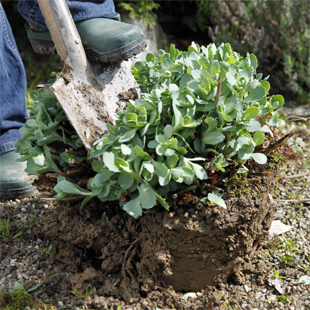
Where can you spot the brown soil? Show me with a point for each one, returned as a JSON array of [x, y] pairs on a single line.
[[144, 262]]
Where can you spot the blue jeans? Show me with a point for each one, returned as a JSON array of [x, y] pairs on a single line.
[[13, 112], [12, 88], [80, 10]]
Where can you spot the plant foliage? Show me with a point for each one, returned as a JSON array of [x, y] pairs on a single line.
[[201, 111], [142, 10], [49, 143]]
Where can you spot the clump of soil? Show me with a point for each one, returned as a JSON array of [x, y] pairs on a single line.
[[150, 258]]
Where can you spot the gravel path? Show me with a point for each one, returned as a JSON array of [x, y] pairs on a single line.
[[278, 267]]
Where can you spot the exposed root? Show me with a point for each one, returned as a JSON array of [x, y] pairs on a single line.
[[127, 260]]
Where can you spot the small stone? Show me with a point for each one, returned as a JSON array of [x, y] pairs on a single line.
[[13, 251], [14, 275], [32, 260], [133, 300], [258, 295], [25, 276]]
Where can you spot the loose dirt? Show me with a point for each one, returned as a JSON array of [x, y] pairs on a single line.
[[154, 259]]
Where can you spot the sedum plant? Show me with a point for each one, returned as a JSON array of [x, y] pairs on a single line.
[[201, 111]]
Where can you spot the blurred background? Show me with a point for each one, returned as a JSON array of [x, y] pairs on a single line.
[[276, 31]]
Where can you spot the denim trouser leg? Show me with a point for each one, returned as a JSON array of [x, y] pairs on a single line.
[[80, 10], [12, 74], [13, 87]]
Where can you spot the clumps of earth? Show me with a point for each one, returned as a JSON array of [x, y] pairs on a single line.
[[149, 260]]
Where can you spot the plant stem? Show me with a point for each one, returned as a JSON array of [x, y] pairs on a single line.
[[137, 177], [294, 176], [218, 92], [186, 143], [227, 145]]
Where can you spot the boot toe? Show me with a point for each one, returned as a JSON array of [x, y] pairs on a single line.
[[14, 181]]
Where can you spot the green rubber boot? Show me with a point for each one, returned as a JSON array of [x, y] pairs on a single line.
[[14, 181], [104, 40]]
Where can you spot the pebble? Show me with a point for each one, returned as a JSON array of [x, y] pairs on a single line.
[[246, 288]]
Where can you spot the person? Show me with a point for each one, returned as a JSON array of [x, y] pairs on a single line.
[[105, 38]]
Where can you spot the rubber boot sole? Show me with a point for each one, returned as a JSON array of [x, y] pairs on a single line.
[[16, 193], [42, 46]]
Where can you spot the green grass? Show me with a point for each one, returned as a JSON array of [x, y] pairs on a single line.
[[5, 230], [19, 298]]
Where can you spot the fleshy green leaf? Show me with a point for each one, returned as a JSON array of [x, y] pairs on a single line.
[[109, 161], [199, 171], [217, 199], [211, 123], [70, 188], [277, 101], [259, 158], [213, 138], [125, 149], [255, 95], [251, 112], [128, 135], [172, 160], [147, 196], [139, 152], [39, 160], [168, 131], [258, 137], [273, 121], [133, 207], [253, 61], [125, 180], [85, 201], [122, 165], [18, 287]]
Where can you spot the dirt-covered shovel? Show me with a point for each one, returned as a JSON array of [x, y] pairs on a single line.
[[89, 92]]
